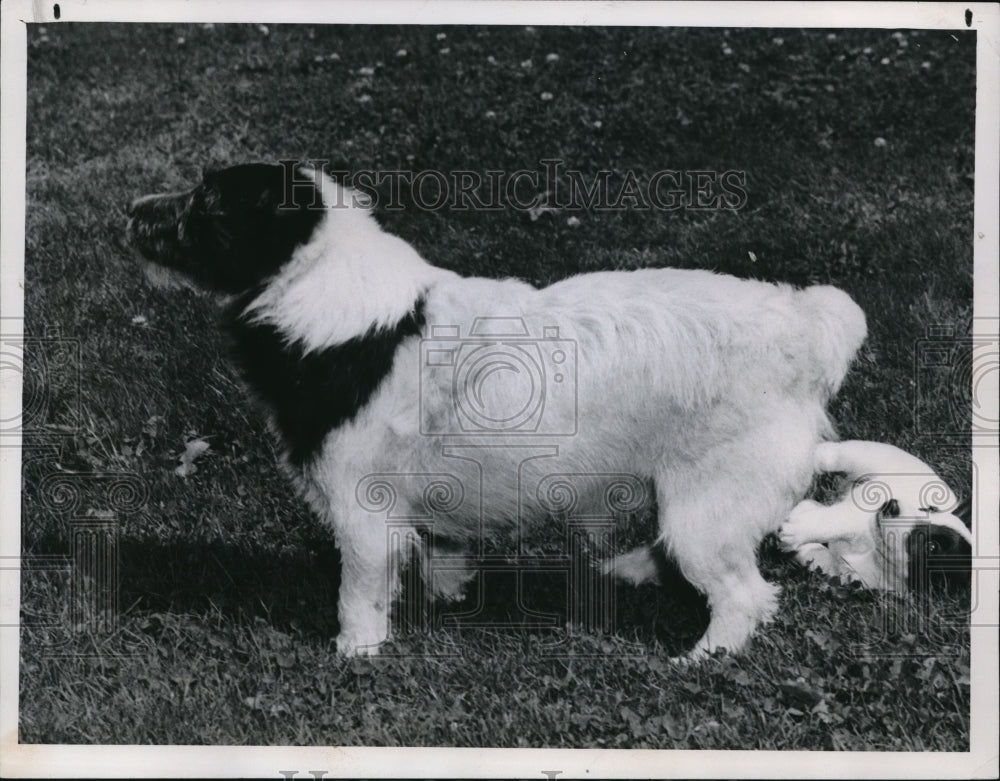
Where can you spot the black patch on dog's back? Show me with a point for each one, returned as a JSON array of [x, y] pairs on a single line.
[[313, 393], [937, 557]]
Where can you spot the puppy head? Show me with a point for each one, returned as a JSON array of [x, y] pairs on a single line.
[[232, 231], [939, 552], [922, 547]]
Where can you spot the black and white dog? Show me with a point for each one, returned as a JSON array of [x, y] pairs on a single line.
[[404, 392], [896, 527]]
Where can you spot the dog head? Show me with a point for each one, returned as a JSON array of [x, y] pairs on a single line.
[[232, 231], [922, 547]]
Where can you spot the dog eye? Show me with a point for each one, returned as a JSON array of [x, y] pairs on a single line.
[[932, 548]]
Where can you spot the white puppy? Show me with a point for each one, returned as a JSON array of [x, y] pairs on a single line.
[[894, 528], [419, 408]]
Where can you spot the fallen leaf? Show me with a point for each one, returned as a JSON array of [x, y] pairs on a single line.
[[193, 449]]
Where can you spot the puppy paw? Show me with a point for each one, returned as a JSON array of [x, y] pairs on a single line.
[[797, 529], [793, 535], [816, 556]]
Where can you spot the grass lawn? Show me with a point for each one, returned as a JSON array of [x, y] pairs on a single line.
[[858, 151]]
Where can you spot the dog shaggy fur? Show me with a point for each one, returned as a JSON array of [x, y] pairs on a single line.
[[396, 387]]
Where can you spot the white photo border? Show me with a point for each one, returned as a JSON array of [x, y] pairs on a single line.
[[17, 760]]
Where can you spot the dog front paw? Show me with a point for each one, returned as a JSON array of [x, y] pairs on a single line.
[[354, 645]]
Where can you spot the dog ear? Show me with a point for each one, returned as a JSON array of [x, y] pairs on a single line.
[[890, 509]]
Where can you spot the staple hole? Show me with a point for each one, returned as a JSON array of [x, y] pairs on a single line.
[[56, 13]]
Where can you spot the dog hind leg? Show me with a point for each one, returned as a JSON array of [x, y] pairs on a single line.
[[637, 566], [738, 597], [816, 556], [450, 581], [714, 543]]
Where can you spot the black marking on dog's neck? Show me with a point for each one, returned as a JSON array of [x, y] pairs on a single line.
[[313, 393]]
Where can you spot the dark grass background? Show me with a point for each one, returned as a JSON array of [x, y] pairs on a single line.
[[858, 148]]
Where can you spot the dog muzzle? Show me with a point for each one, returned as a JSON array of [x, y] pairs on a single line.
[[156, 225]]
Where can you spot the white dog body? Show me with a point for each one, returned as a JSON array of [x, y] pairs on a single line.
[[724, 478], [711, 388]]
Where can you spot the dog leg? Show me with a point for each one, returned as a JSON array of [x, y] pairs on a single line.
[[820, 558], [450, 582], [637, 566], [856, 458], [740, 600], [369, 583], [833, 457], [814, 555], [447, 570], [719, 558], [811, 521]]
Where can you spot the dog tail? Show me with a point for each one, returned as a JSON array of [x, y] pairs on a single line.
[[835, 329]]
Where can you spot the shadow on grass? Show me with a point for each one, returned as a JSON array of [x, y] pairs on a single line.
[[294, 590]]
